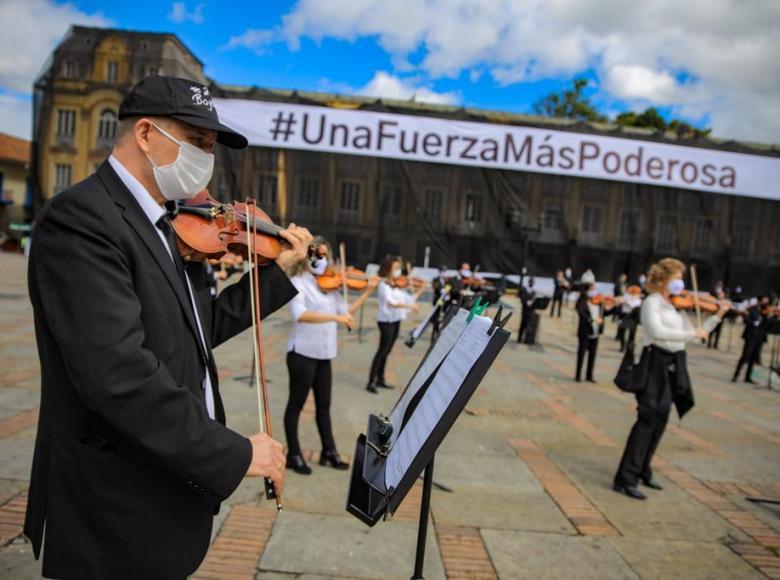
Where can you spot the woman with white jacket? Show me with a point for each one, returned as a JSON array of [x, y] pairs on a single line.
[[666, 331]]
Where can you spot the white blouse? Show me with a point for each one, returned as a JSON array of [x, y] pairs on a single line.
[[666, 327], [389, 298], [317, 340]]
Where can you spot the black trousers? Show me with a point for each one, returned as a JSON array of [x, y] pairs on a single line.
[[714, 337], [641, 446], [388, 333], [308, 373], [557, 299], [621, 334], [750, 355], [588, 345]]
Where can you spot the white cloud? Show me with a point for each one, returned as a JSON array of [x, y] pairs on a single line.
[[180, 14], [16, 116], [724, 49], [391, 87], [31, 29], [253, 39]]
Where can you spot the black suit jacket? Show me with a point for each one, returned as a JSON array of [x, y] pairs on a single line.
[[128, 467], [585, 320]]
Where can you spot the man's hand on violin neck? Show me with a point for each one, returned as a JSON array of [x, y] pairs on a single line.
[[268, 460], [296, 248]]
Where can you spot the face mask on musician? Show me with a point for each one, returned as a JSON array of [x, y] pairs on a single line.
[[675, 286], [465, 273], [592, 293], [396, 272], [319, 267], [188, 175]]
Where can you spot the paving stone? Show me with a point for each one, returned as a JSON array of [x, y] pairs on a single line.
[[314, 544], [536, 556], [659, 559]]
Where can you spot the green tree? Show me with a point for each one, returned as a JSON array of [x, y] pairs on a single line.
[[651, 118], [570, 103]]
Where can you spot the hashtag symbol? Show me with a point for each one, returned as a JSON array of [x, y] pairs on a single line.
[[283, 125]]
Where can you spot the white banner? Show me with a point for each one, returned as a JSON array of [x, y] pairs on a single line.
[[428, 139]]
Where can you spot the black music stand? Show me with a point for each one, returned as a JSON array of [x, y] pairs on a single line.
[[368, 498]]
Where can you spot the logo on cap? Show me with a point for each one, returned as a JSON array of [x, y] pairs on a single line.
[[200, 96]]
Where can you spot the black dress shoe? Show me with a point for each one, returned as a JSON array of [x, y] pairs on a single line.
[[578, 379], [384, 385], [298, 465], [651, 484], [371, 387], [629, 490], [750, 381], [332, 458], [734, 379]]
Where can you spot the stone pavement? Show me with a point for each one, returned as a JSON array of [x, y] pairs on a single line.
[[530, 464]]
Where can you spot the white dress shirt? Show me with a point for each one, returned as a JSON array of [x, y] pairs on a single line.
[[317, 340], [404, 297], [388, 300], [154, 211], [666, 327]]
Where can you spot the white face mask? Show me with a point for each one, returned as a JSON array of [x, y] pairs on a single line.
[[465, 273], [396, 272], [592, 293], [675, 286], [319, 268], [188, 175]]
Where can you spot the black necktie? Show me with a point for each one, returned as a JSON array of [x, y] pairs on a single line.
[[164, 224]]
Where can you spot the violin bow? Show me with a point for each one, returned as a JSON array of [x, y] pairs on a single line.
[[343, 258], [261, 385], [696, 294]]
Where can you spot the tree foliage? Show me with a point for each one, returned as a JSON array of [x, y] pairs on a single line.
[[572, 103]]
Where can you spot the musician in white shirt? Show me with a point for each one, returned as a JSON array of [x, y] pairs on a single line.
[[392, 303], [665, 333], [311, 345]]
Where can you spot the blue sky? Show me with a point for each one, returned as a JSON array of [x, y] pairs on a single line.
[[494, 54]]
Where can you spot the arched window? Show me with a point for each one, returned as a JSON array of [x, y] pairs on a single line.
[[107, 127]]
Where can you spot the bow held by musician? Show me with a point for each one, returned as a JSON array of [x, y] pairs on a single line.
[[132, 456]]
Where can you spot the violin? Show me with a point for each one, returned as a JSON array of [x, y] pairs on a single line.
[[407, 281], [208, 229], [333, 280], [685, 301], [607, 301]]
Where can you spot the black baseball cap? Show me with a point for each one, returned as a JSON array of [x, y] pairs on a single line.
[[182, 99]]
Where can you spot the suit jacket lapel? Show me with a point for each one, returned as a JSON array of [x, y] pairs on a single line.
[[136, 218]]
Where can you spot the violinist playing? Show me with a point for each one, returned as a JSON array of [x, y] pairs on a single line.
[[132, 456], [754, 336], [589, 327], [311, 345], [392, 302]]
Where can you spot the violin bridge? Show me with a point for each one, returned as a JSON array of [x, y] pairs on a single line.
[[229, 213]]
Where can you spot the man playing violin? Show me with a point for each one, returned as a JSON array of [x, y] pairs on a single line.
[[132, 456]]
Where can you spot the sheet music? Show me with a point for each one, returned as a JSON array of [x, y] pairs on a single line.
[[456, 366], [447, 339]]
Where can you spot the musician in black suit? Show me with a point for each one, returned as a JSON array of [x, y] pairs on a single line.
[[132, 456], [527, 296], [589, 326], [561, 290], [754, 335]]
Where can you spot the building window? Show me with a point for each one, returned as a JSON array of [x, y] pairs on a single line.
[[666, 233], [152, 70], [513, 218], [309, 193], [391, 204], [106, 128], [144, 44], [629, 228], [742, 243], [70, 69], [591, 219], [473, 207], [111, 72], [266, 191], [66, 123], [62, 177], [776, 249], [432, 205], [702, 237], [349, 201], [552, 217], [266, 159]]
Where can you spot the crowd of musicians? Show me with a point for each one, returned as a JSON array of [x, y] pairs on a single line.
[[133, 456]]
